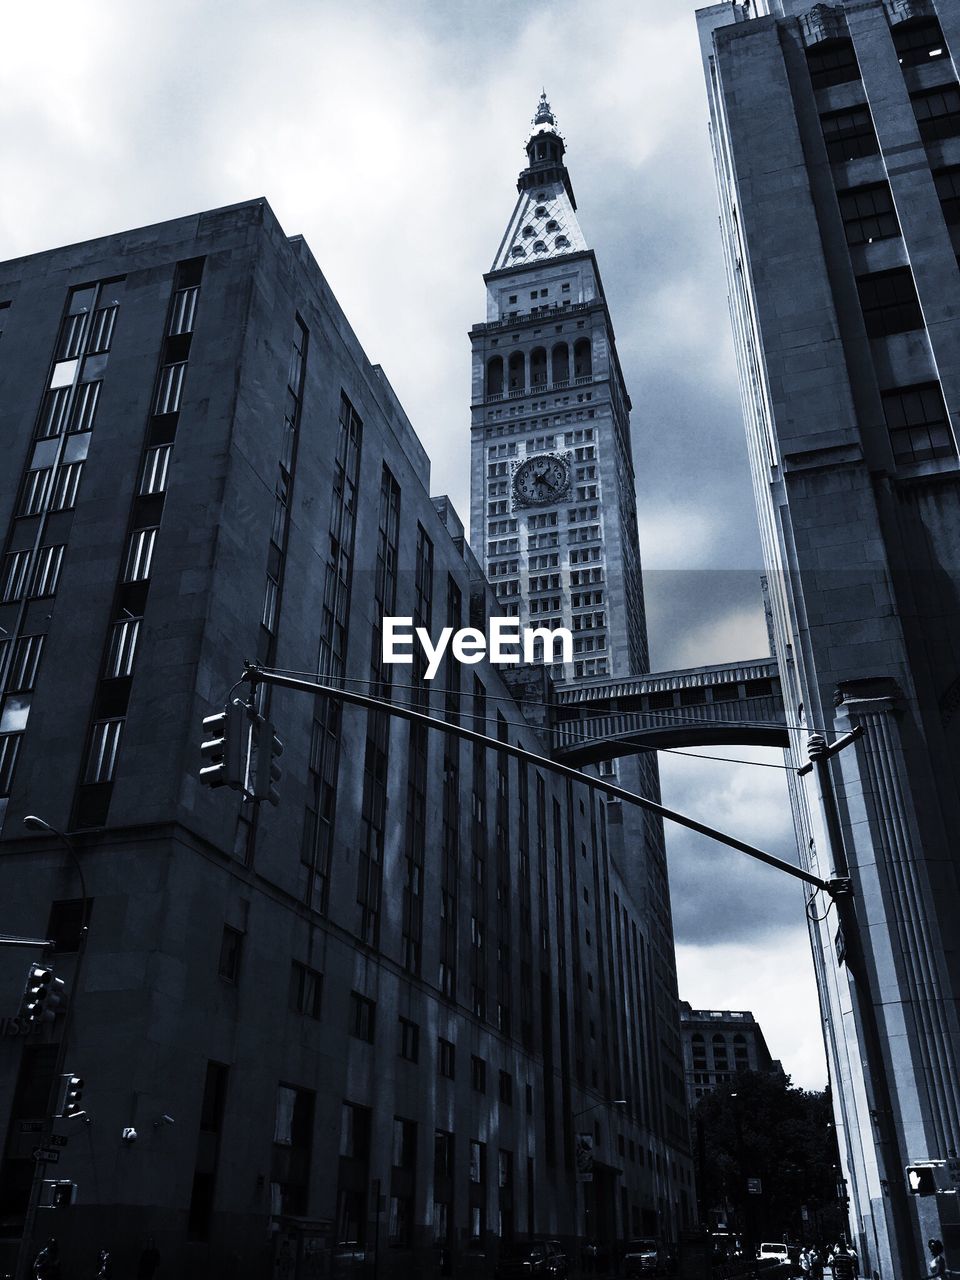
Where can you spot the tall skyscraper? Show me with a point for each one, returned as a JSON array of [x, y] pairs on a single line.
[[382, 1015], [836, 134], [554, 522], [552, 505]]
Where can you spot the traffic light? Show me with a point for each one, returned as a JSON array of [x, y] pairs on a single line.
[[930, 1176], [224, 748], [269, 749], [59, 1193], [68, 1099], [42, 995]]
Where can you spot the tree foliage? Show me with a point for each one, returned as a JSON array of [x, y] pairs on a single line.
[[759, 1126]]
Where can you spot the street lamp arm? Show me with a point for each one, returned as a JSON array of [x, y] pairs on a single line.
[[33, 823], [254, 674], [11, 940]]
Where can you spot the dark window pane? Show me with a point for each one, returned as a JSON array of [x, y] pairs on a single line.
[[64, 924], [948, 189], [917, 421], [832, 62], [849, 134], [868, 213], [230, 948], [919, 41], [889, 302], [938, 112]]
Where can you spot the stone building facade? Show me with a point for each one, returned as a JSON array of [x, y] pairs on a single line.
[[381, 1012], [717, 1043], [836, 134]]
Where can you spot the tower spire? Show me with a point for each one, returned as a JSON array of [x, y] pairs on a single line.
[[544, 222]]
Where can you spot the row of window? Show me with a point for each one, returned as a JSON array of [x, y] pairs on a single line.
[[917, 42]]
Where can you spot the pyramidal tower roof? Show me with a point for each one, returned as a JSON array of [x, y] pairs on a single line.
[[544, 222]]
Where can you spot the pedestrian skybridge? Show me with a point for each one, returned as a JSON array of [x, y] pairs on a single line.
[[730, 703]]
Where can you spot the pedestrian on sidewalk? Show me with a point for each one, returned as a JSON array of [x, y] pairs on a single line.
[[938, 1262]]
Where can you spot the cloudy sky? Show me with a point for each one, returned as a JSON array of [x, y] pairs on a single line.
[[390, 135]]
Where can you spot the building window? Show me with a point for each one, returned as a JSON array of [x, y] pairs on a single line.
[[506, 1088], [101, 334], [918, 41], [937, 112], [9, 750], [104, 745], [231, 948], [409, 1040], [849, 134], [170, 387], [36, 491], [84, 407], [66, 486], [917, 422], [16, 573], [832, 62], [156, 463], [140, 555], [53, 413], [868, 213], [65, 924], [306, 990], [23, 667], [478, 1075], [122, 647], [362, 1017], [46, 573], [446, 1058], [184, 311], [292, 1139], [889, 301], [948, 189]]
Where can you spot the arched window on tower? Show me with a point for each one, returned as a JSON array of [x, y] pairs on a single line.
[[582, 358], [538, 367], [561, 364], [515, 369], [720, 1062], [495, 376]]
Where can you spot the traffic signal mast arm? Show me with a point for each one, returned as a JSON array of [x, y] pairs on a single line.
[[838, 886]]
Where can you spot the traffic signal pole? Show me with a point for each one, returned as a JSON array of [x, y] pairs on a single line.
[[837, 886]]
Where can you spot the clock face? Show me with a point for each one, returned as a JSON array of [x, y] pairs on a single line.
[[541, 480]]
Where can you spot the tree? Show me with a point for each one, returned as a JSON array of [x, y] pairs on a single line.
[[759, 1126]]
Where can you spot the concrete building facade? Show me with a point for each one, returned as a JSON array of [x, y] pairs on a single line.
[[836, 135], [717, 1043], [381, 1013]]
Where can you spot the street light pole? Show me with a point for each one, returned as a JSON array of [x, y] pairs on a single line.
[[33, 823]]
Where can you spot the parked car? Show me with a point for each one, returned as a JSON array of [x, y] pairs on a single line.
[[538, 1258], [776, 1252], [646, 1257]]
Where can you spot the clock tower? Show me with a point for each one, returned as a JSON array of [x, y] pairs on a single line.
[[553, 510]]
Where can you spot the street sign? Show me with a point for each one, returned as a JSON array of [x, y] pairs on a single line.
[[840, 944], [59, 1140], [45, 1153], [754, 1187]]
